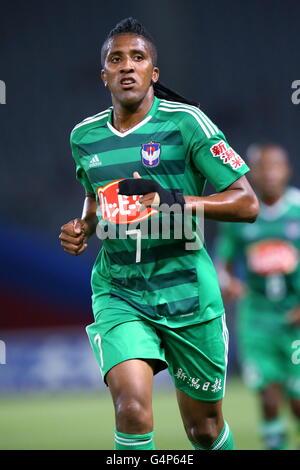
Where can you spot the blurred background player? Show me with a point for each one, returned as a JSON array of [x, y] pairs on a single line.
[[268, 313]]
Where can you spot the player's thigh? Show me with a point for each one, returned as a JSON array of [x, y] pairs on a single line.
[[131, 381], [114, 343], [197, 359], [130, 385], [128, 354]]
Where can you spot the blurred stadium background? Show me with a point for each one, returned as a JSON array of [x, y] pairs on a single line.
[[239, 60]]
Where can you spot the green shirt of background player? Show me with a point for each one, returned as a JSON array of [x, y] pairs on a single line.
[[131, 75], [269, 310]]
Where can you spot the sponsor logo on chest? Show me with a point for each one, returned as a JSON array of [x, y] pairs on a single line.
[[119, 209]]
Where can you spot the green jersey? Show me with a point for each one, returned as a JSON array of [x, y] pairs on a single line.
[[270, 252], [178, 146]]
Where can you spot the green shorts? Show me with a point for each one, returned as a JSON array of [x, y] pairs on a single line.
[[269, 352], [196, 355]]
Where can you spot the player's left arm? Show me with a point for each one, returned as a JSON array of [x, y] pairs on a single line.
[[217, 161], [236, 203]]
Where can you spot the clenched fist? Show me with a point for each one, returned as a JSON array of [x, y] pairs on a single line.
[[73, 237]]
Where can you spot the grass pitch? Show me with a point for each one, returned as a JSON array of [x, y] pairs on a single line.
[[86, 420]]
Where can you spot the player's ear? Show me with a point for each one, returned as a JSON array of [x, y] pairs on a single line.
[[103, 77], [155, 74]]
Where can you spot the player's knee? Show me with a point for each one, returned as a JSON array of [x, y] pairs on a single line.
[[204, 433], [270, 403], [133, 417], [270, 410]]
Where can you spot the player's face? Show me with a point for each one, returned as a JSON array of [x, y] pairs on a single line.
[[271, 172], [128, 69]]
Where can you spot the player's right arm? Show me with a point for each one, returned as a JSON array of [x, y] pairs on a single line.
[[75, 233]]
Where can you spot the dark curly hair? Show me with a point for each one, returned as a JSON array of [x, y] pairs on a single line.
[[132, 26]]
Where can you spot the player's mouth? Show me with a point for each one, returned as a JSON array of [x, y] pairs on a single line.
[[127, 83]]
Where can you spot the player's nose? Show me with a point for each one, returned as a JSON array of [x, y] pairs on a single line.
[[127, 65]]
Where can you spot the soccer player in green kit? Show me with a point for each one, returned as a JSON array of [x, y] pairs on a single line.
[[268, 314], [156, 302]]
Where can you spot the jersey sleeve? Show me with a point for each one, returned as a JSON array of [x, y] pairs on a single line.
[[212, 155], [80, 172]]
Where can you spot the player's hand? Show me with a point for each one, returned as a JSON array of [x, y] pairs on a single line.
[[73, 237], [293, 316], [149, 199], [152, 193], [233, 290]]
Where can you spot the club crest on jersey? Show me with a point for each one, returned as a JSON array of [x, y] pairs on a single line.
[[150, 154]]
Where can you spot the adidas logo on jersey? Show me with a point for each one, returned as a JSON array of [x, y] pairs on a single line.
[[94, 161]]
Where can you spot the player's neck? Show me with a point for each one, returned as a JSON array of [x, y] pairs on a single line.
[[127, 116]]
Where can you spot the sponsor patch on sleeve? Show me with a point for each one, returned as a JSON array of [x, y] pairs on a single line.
[[227, 155]]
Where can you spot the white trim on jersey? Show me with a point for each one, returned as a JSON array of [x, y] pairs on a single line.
[[213, 128], [124, 134], [225, 335], [209, 133], [95, 118], [98, 114], [130, 442]]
